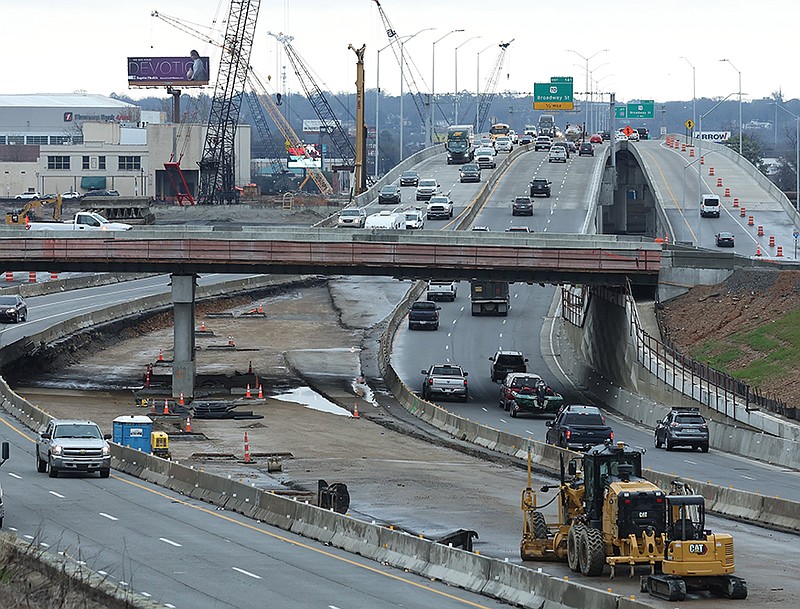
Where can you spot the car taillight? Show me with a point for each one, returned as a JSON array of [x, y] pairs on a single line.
[[430, 381], [612, 435], [568, 434], [465, 382]]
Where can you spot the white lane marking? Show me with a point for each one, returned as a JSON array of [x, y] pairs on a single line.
[[690, 462], [748, 477], [484, 409], [169, 606], [454, 321], [501, 335], [28, 537], [146, 594], [13, 475], [102, 572], [243, 572], [529, 432], [170, 542], [502, 420], [504, 322], [109, 516], [44, 545], [446, 347], [123, 583], [55, 494], [449, 334], [462, 309]]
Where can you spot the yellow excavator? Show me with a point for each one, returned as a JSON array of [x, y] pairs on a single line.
[[608, 514], [27, 214]]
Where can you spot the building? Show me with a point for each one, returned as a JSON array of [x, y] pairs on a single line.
[[80, 142]]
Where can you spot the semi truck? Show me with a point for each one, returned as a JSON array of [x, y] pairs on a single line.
[[459, 146], [489, 297]]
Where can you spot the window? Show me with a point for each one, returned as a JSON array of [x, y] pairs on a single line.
[[2, 139], [58, 162], [40, 140], [16, 139], [85, 162], [101, 162], [57, 140], [130, 163]]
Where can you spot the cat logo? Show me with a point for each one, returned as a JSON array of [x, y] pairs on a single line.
[[698, 548]]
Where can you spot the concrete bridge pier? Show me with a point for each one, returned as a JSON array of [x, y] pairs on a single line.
[[184, 366]]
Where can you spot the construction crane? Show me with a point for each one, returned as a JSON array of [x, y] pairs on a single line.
[[217, 164], [265, 103], [404, 63], [329, 123], [486, 98]]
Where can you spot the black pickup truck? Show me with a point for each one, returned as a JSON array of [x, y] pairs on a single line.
[[578, 428], [423, 315], [540, 186]]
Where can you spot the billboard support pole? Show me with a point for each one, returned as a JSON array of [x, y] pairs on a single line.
[[176, 104]]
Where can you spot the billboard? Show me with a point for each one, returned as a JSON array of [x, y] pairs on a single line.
[[712, 136], [309, 156], [192, 71], [317, 126]]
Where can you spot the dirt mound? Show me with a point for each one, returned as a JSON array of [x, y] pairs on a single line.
[[748, 300]]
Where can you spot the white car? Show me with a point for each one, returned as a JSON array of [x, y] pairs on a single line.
[[353, 217], [503, 144], [634, 136], [557, 154], [29, 196], [620, 137], [415, 219], [71, 195]]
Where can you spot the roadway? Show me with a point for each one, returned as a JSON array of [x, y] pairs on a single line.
[[471, 341], [674, 174]]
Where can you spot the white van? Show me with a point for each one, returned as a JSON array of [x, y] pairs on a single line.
[[709, 206], [386, 219]]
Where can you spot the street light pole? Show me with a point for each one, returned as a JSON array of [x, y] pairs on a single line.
[[700, 145], [402, 79], [457, 95], [694, 91], [740, 103], [797, 155], [478, 89], [432, 116], [587, 60]]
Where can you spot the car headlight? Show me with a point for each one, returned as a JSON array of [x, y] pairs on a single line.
[[57, 449], [106, 450]]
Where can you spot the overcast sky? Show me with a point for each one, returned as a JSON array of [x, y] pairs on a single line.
[[61, 47]]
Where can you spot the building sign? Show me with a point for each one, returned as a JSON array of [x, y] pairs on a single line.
[[712, 136], [305, 157], [168, 71]]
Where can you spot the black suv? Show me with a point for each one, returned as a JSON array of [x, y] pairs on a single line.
[[586, 149], [389, 194], [504, 362], [540, 186], [470, 173], [522, 206], [683, 426]]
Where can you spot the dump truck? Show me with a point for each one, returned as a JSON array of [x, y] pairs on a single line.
[[609, 515], [489, 297]]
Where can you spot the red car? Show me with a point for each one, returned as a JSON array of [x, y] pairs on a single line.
[[596, 139]]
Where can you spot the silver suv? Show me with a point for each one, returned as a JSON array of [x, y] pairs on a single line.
[[73, 445]]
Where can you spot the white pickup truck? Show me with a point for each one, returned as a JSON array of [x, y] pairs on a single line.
[[445, 380], [83, 220], [442, 290]]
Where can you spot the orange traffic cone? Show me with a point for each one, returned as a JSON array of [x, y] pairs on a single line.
[[260, 393], [188, 425], [758, 250], [355, 411], [181, 402], [260, 309], [152, 406], [166, 406], [246, 449], [247, 394], [160, 355], [202, 326]]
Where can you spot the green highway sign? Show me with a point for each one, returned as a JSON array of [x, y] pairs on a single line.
[[620, 112], [557, 79], [642, 109], [552, 96]]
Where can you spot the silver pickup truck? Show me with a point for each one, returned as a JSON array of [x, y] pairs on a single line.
[[67, 445], [445, 380], [442, 290]]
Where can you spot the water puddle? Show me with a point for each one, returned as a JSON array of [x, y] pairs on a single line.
[[308, 397]]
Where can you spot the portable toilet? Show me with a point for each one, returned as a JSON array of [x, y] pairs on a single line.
[[133, 431]]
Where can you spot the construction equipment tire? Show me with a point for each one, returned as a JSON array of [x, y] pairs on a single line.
[[540, 530], [573, 546], [592, 552]]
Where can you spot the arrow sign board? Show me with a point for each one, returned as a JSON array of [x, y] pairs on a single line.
[[620, 112], [643, 109], [552, 96]]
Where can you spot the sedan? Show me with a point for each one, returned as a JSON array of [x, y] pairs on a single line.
[[389, 194], [596, 139], [725, 239], [522, 206], [13, 308], [409, 178]]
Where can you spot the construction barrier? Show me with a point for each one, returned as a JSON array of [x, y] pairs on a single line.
[[32, 277], [711, 171], [727, 192], [760, 230], [750, 221], [719, 182], [742, 212], [9, 275], [779, 254], [736, 201], [772, 240]]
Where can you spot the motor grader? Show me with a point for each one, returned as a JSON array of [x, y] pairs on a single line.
[[608, 514]]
